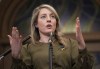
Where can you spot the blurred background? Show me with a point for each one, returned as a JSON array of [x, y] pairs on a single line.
[[18, 13]]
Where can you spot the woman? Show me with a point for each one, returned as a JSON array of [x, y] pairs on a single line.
[[67, 53]]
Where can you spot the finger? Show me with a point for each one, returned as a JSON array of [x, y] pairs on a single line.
[[20, 37], [78, 29], [77, 22], [77, 26], [15, 33], [9, 36]]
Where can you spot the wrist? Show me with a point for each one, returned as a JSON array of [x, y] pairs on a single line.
[[16, 60], [16, 56], [82, 51], [82, 47]]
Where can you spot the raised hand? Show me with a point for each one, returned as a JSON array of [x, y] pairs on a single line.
[[79, 35], [16, 42]]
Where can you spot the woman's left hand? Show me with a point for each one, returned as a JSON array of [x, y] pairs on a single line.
[[79, 35]]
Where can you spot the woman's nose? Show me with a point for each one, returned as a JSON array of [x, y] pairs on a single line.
[[48, 19]]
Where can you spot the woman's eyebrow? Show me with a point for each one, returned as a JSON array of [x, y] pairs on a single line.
[[49, 14], [43, 14], [53, 14]]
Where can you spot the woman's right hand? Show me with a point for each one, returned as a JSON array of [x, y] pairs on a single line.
[[16, 42]]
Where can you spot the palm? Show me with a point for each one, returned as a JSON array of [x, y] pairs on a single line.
[[79, 35], [15, 41]]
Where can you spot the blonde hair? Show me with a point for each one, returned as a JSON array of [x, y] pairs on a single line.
[[34, 31]]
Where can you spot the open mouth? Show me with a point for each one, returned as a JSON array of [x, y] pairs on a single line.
[[49, 26]]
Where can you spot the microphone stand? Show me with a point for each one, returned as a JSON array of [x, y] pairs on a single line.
[[50, 53], [9, 50]]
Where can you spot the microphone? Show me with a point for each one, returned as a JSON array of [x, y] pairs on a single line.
[[50, 51], [24, 41], [50, 38]]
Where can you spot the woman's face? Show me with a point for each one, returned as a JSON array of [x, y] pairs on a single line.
[[46, 21]]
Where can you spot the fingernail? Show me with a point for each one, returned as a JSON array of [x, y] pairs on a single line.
[[78, 18], [8, 35]]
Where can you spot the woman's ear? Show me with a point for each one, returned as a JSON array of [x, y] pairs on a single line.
[[36, 25]]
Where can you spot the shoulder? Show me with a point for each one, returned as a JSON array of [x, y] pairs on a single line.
[[27, 45], [70, 41], [73, 41]]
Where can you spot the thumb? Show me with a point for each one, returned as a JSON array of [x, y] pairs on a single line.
[[9, 36]]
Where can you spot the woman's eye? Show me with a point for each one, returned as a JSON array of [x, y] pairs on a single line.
[[43, 16], [53, 16]]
